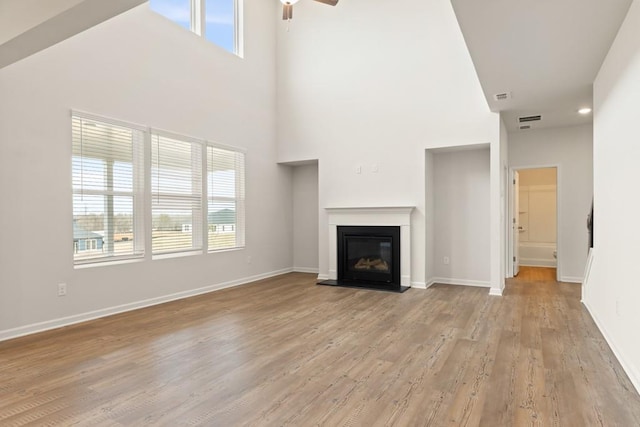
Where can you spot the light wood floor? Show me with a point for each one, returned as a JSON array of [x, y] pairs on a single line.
[[284, 351]]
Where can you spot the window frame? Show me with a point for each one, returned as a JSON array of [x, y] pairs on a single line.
[[239, 199], [142, 194], [198, 23], [137, 194], [197, 242]]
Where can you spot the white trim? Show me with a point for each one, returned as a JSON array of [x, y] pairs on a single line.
[[510, 214], [419, 285], [538, 262], [399, 213], [372, 216], [176, 136], [305, 270], [227, 147], [238, 36], [570, 279], [101, 262], [198, 17], [79, 318], [323, 277], [629, 368], [587, 272], [495, 292], [108, 120], [460, 282]]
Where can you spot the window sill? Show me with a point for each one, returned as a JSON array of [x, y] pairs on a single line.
[[92, 264], [170, 255], [217, 251]]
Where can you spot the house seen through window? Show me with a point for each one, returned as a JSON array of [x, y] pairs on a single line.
[[216, 20]]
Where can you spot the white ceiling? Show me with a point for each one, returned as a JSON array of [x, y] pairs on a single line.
[[29, 26], [546, 53]]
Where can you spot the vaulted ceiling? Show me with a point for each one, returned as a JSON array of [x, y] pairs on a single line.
[[29, 26], [545, 54]]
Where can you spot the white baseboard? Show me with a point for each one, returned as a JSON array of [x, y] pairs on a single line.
[[496, 292], [587, 273], [305, 270], [419, 285], [323, 277], [83, 317], [461, 282], [538, 262], [629, 369], [571, 279]]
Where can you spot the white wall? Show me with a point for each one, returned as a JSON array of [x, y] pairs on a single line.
[[612, 292], [538, 214], [305, 218], [569, 148], [369, 84], [537, 210], [462, 217], [500, 225], [137, 67]]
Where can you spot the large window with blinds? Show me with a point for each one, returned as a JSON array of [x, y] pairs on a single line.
[[176, 194], [225, 198], [107, 175], [136, 188]]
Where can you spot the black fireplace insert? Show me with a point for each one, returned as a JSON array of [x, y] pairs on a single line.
[[368, 256]]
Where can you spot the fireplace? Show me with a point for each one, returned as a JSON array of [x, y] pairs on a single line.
[[368, 256], [377, 219]]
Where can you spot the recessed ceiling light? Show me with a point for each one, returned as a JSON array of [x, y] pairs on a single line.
[[584, 110]]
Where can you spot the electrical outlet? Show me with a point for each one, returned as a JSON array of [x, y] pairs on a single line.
[[445, 260], [375, 168], [62, 289], [358, 169]]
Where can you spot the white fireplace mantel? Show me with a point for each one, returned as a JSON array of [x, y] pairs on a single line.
[[372, 216]]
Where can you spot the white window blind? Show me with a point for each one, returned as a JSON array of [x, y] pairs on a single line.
[[226, 198], [176, 194], [107, 181]]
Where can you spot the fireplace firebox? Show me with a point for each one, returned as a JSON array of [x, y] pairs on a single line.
[[368, 256]]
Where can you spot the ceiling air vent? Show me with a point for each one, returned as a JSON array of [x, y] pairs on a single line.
[[527, 119], [502, 96], [525, 127]]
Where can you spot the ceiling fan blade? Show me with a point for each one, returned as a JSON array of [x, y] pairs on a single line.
[[329, 2], [287, 11]]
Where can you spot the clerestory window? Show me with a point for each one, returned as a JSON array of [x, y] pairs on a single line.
[[216, 20]]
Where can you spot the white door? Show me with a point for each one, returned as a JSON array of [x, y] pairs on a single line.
[[516, 223]]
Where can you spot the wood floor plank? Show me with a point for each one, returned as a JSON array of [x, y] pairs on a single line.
[[285, 352]]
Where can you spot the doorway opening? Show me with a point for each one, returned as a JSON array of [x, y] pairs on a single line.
[[534, 218]]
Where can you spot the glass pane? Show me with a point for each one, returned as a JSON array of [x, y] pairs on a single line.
[[172, 230], [179, 11], [222, 225], [89, 173], [222, 183], [102, 226], [369, 254], [220, 23]]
